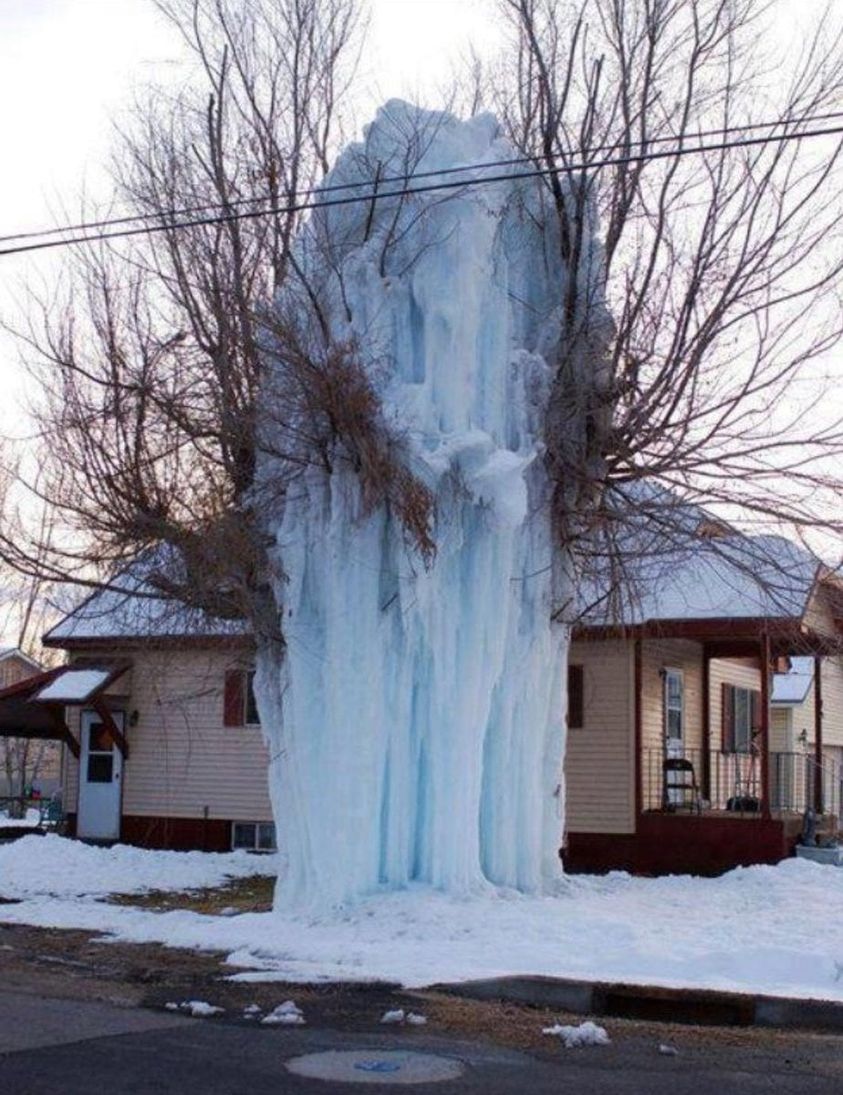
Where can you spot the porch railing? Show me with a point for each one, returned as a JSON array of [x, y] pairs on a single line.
[[733, 782]]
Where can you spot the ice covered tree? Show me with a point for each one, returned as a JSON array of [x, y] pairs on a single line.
[[395, 435]]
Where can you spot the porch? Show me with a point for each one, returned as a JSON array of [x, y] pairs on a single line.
[[692, 781], [711, 782]]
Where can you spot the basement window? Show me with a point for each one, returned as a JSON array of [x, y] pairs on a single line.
[[253, 836]]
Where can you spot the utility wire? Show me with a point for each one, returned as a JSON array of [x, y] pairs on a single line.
[[377, 195], [110, 222]]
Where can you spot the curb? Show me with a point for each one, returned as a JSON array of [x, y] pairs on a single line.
[[701, 1007]]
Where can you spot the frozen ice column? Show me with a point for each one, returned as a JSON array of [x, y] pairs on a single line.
[[419, 729]]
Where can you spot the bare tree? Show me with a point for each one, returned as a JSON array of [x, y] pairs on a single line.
[[169, 371], [26, 609], [714, 281], [150, 361]]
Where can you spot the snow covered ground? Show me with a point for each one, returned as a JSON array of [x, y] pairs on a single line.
[[28, 822], [768, 929], [51, 866]]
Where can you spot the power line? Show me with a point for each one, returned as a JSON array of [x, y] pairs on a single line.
[[377, 195], [405, 178]]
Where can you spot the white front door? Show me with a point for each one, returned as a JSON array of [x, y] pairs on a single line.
[[100, 772], [674, 712], [674, 735]]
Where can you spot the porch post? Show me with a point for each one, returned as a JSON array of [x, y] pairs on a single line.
[[706, 723], [818, 736], [765, 725], [638, 732]]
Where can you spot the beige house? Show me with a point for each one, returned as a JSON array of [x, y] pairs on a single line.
[[155, 710], [695, 742]]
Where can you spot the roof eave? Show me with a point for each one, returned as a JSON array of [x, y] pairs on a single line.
[[139, 642]]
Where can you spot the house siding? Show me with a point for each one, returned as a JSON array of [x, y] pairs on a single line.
[[781, 732], [819, 613], [658, 655], [740, 672], [832, 696], [183, 762], [600, 757], [599, 760]]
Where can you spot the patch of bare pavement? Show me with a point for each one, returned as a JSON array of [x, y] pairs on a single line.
[[76, 1012]]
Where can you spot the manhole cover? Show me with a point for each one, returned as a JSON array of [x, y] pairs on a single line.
[[360, 1066]]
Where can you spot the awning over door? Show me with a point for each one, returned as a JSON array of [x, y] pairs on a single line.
[[34, 708]]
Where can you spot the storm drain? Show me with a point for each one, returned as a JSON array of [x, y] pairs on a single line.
[[375, 1067]]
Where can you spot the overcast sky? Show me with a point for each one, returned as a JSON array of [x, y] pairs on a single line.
[[67, 67]]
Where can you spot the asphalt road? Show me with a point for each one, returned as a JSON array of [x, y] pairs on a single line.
[[85, 1047]]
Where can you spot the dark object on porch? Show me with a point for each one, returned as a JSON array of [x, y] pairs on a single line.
[[680, 784], [743, 804], [808, 839]]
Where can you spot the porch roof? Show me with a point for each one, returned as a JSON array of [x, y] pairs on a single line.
[[792, 688], [34, 707], [727, 636]]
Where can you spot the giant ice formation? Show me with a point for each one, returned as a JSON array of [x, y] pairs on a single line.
[[420, 736]]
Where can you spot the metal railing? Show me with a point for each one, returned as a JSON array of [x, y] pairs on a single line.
[[732, 782]]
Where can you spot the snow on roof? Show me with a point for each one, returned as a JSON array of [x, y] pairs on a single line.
[[15, 651], [674, 570], [739, 577], [793, 687], [131, 608], [73, 685]]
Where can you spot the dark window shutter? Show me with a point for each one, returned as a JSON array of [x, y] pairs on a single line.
[[234, 699], [728, 719], [576, 712]]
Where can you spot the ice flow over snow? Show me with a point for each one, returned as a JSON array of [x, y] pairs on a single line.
[[421, 732]]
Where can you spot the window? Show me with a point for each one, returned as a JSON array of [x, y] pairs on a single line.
[[239, 706], [253, 836], [100, 754], [741, 718], [100, 768], [674, 705], [576, 707]]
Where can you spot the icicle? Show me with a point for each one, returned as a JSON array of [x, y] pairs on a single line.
[[417, 723]]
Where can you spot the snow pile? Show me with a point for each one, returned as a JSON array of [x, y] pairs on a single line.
[[32, 818], [55, 866], [399, 1017], [756, 929], [418, 716], [288, 1014], [199, 1009], [586, 1034]]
